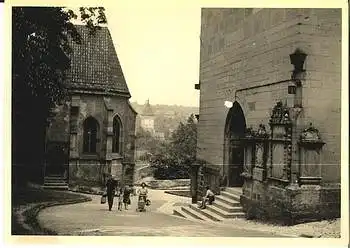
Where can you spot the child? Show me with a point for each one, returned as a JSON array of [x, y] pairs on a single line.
[[126, 197], [120, 198]]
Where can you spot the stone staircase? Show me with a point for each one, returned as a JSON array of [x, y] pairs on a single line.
[[226, 206], [55, 182]]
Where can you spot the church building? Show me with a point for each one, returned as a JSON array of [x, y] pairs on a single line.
[[270, 110], [93, 134]]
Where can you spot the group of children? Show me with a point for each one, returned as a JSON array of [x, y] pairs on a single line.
[[123, 196], [114, 189]]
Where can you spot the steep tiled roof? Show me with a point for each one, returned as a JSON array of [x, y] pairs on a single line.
[[95, 65]]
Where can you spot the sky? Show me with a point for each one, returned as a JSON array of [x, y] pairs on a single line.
[[158, 47]]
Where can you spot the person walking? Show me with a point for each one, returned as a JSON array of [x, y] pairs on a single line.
[[142, 199], [143, 192], [111, 186]]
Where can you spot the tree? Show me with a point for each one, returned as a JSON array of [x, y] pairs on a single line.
[[173, 160], [146, 142], [40, 58]]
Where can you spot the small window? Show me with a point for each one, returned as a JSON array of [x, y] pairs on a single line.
[[90, 135], [292, 89], [251, 106]]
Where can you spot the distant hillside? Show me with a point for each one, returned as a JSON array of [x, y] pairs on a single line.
[[167, 117], [160, 109]]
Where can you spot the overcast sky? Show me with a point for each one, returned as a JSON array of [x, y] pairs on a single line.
[[158, 47]]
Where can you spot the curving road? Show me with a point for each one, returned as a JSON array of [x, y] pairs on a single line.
[[93, 218]]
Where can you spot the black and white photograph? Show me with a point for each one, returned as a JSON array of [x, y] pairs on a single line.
[[179, 120]]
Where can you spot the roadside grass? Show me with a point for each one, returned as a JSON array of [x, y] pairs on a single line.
[[27, 203]]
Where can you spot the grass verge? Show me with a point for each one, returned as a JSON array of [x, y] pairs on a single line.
[[28, 202]]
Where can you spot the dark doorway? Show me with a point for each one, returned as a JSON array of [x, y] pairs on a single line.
[[56, 158], [234, 145], [236, 167]]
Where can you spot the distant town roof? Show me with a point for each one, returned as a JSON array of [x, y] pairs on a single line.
[[147, 110], [95, 65]]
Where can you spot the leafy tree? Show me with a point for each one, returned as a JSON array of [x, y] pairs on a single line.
[[40, 58], [146, 142], [173, 160]]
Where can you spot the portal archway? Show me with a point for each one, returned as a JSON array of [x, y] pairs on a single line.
[[234, 146]]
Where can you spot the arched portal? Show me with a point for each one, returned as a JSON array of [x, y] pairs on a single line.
[[234, 146]]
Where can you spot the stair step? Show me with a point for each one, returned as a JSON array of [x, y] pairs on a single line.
[[192, 213], [234, 191], [228, 201], [55, 183], [56, 187], [230, 196], [55, 177], [227, 207], [206, 213], [179, 212], [185, 213], [223, 213]]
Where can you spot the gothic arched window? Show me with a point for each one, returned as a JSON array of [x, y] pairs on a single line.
[[90, 135], [117, 130]]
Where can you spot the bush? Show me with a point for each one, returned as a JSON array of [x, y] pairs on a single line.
[[173, 160], [165, 172]]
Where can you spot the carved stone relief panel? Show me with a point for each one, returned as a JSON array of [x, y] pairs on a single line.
[[278, 161]]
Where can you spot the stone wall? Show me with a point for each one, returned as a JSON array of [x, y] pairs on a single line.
[[321, 40], [92, 168], [249, 55], [59, 127], [243, 48], [245, 58], [292, 205], [168, 184], [142, 170], [86, 172]]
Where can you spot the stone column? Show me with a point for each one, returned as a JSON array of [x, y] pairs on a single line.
[[194, 183], [200, 183], [109, 135], [73, 137], [297, 59], [109, 140], [294, 112], [110, 164]]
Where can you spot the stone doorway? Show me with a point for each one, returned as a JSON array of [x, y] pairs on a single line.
[[57, 159], [234, 146]]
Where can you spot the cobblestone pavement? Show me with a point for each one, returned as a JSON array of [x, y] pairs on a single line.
[[93, 218]]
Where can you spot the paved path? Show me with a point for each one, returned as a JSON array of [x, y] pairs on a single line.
[[93, 218]]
